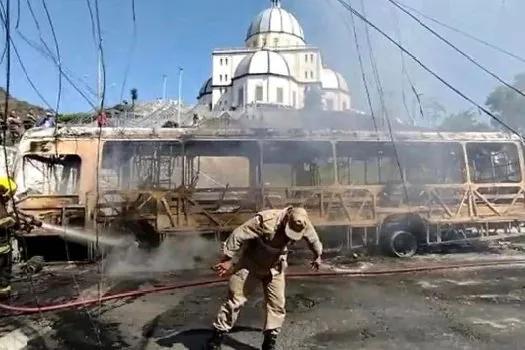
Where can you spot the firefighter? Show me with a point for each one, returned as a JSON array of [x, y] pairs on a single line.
[[260, 248], [7, 190]]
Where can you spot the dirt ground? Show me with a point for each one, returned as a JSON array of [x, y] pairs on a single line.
[[468, 309]]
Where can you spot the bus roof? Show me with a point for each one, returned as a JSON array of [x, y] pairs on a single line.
[[110, 133]]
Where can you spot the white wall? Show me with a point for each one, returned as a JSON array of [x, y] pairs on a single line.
[[222, 98], [300, 61], [222, 74], [269, 40], [305, 65], [269, 84], [341, 100]]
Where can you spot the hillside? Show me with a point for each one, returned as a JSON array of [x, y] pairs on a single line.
[[21, 108]]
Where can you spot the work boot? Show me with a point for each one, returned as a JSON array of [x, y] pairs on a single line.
[[5, 294], [269, 341], [215, 343]]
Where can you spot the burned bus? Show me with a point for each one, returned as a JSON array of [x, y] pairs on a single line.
[[400, 192]]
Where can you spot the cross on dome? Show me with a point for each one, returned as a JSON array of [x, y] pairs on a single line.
[[276, 3]]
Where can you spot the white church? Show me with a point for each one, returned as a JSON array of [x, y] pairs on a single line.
[[276, 67]]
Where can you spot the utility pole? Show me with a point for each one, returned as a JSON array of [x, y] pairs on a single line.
[[99, 78], [180, 91], [164, 87]]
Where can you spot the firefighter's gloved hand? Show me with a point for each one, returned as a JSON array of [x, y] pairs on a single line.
[[18, 226], [316, 264]]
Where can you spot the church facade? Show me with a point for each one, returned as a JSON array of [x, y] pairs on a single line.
[[276, 67]]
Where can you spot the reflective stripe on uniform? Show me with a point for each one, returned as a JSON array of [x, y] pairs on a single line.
[[7, 221], [5, 290], [4, 249]]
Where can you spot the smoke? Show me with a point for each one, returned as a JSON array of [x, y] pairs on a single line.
[[173, 254], [328, 26]]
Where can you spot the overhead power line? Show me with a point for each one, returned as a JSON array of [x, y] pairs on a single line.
[[59, 58], [425, 67], [457, 49], [353, 32], [405, 73], [67, 73], [459, 31], [131, 50], [8, 42], [19, 58], [47, 52]]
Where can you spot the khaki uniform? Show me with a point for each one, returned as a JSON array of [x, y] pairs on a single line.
[[262, 259]]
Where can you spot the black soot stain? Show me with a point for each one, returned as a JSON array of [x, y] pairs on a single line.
[[77, 330]]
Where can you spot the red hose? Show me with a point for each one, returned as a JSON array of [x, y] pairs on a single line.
[[211, 281]]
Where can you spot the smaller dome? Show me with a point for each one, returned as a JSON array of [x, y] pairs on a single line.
[[332, 80], [263, 62], [206, 88], [275, 20]]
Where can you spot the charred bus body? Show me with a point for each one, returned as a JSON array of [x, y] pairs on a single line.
[[360, 188]]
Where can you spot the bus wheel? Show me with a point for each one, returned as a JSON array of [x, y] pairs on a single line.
[[401, 244]]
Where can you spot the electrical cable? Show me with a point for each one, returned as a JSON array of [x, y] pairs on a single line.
[[459, 31], [78, 291], [102, 65], [405, 73], [373, 64], [66, 71], [59, 61], [38, 28], [50, 53], [3, 54], [92, 21], [22, 65], [4, 143], [209, 281], [353, 31], [425, 67], [18, 13], [461, 52], [385, 110], [131, 51], [56, 60]]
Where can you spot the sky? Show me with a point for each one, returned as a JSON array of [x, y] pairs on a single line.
[[182, 33]]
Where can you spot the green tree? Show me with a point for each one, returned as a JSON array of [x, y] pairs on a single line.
[[72, 117], [463, 121], [433, 111], [508, 105]]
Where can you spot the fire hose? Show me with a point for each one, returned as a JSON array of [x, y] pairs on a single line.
[[212, 281]]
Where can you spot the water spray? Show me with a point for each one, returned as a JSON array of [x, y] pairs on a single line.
[[86, 236]]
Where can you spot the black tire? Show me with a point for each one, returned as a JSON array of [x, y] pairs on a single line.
[[401, 244]]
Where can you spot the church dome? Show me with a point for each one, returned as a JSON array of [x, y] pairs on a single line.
[[206, 88], [275, 20], [263, 62], [332, 80]]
